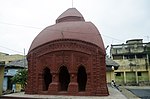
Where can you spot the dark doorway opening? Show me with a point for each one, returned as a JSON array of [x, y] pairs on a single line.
[[64, 78], [9, 83], [47, 78], [81, 78]]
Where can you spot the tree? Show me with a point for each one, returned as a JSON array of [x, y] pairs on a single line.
[[20, 78]]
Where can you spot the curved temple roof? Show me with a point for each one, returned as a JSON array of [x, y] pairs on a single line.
[[69, 25], [72, 14]]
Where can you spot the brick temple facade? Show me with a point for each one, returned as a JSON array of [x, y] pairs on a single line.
[[67, 58]]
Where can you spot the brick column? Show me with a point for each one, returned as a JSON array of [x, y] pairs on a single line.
[[101, 72], [54, 86], [40, 82], [31, 87], [73, 85], [88, 84]]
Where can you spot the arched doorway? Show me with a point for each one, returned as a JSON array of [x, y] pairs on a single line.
[[64, 78], [47, 78], [81, 78]]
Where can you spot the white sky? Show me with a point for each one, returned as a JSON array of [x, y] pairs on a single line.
[[117, 20]]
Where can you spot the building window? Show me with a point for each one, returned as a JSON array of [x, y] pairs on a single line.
[[126, 57], [117, 57], [118, 74], [139, 56], [139, 74], [131, 56], [2, 62], [6, 71]]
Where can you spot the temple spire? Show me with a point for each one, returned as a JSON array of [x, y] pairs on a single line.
[[71, 14], [72, 3]]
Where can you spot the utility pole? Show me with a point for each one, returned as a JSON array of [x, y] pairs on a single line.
[[24, 58], [147, 38]]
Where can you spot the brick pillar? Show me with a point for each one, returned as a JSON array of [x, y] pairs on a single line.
[[99, 75], [54, 86], [40, 82], [103, 83], [73, 85], [88, 84], [31, 87]]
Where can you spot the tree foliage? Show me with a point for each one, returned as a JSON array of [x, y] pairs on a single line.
[[20, 78]]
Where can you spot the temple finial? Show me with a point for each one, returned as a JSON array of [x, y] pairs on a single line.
[[72, 3]]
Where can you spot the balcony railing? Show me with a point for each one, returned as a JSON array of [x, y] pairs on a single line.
[[133, 68]]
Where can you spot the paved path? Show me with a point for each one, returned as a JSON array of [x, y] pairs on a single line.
[[128, 93], [114, 94], [141, 91]]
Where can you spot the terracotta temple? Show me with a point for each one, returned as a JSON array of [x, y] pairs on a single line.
[[67, 58]]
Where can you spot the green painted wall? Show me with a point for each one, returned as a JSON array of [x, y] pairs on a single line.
[[130, 77], [119, 79], [143, 77], [1, 78]]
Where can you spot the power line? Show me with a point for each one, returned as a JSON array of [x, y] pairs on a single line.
[[61, 30], [89, 33], [11, 49], [56, 30], [25, 26], [113, 38], [53, 30]]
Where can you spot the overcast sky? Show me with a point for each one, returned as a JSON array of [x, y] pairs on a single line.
[[117, 20]]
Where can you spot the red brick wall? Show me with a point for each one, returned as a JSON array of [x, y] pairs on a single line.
[[72, 54]]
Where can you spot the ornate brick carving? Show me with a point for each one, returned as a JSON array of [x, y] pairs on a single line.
[[68, 56], [72, 54]]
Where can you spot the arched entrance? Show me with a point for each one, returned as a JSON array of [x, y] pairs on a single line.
[[64, 78], [81, 78], [47, 78]]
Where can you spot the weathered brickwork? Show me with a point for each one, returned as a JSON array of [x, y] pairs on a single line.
[[65, 65], [71, 54]]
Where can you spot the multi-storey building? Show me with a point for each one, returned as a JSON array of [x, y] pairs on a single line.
[[133, 58], [11, 69], [6, 58], [110, 67], [1, 76]]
